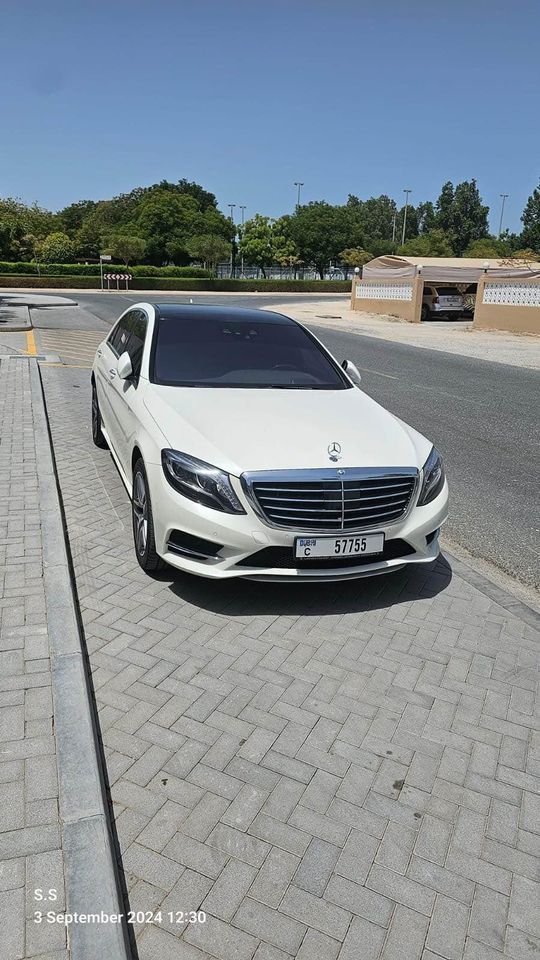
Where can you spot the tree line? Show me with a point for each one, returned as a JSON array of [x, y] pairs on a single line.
[[179, 223]]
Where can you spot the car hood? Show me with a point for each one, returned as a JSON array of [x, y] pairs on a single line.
[[243, 429]]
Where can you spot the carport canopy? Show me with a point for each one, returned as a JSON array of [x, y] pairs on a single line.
[[447, 269]]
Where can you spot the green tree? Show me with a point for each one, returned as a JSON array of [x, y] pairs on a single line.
[[354, 257], [89, 241], [320, 231], [411, 225], [462, 215], [126, 248], [426, 217], [489, 247], [284, 247], [444, 207], [371, 221], [530, 219], [209, 248], [21, 227], [56, 248], [164, 217], [525, 256], [11, 238], [256, 242], [73, 216], [434, 243], [470, 216], [177, 252]]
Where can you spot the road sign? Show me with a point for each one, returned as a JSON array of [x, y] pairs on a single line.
[[117, 276], [102, 257]]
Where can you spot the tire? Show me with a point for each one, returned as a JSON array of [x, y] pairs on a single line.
[[97, 433], [143, 522], [425, 313]]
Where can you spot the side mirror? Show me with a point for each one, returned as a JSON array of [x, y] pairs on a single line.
[[352, 371], [125, 370]]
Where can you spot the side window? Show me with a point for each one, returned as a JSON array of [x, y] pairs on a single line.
[[136, 340], [120, 335]]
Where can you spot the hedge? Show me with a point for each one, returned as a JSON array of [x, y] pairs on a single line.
[[92, 270], [172, 283]]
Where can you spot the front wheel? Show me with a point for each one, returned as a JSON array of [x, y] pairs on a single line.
[[425, 312], [97, 433], [143, 522]]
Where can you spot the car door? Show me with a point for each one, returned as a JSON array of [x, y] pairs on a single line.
[[124, 394], [107, 358]]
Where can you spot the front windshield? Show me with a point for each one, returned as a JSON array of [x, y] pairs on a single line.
[[206, 351]]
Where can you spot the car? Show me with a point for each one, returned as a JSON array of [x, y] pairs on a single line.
[[441, 302], [249, 451]]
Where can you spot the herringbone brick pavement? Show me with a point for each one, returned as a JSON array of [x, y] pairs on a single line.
[[339, 771]]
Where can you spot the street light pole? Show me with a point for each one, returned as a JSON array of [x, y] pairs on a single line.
[[394, 227], [503, 197], [231, 207], [299, 184], [242, 208], [406, 192]]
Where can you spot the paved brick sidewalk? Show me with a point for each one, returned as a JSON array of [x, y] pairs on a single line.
[[30, 842], [343, 771]]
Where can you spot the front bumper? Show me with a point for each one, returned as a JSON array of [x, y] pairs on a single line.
[[243, 536]]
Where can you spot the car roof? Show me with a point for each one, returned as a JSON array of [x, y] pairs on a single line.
[[184, 311]]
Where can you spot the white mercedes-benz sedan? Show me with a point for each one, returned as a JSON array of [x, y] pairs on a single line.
[[249, 451]]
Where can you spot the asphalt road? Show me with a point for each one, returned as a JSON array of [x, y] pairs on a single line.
[[483, 417]]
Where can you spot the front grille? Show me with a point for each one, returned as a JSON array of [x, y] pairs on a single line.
[[323, 501], [284, 558]]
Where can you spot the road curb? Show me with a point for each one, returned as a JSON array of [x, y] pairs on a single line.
[[20, 325], [92, 881], [492, 590]]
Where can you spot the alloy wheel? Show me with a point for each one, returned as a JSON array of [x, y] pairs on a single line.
[[140, 513], [94, 412]]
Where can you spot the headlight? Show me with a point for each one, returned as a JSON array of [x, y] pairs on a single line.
[[200, 482], [433, 478]]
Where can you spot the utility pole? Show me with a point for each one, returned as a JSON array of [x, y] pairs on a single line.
[[242, 208], [299, 184], [406, 192], [231, 207], [504, 197]]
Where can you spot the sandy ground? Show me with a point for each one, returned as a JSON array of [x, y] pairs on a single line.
[[449, 336]]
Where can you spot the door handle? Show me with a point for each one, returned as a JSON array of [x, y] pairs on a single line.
[[100, 353], [112, 373]]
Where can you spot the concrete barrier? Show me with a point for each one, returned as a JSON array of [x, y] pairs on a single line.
[[398, 298], [508, 304]]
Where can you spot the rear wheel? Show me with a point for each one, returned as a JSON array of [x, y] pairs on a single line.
[[143, 522], [97, 433]]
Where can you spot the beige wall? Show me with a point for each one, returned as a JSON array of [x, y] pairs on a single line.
[[507, 316], [406, 309]]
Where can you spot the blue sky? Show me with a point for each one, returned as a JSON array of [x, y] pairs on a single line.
[[245, 97]]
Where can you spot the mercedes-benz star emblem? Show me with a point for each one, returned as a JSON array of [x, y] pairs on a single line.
[[334, 451]]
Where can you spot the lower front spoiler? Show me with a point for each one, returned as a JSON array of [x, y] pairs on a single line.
[[216, 571]]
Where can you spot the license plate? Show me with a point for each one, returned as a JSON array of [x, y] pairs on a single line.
[[310, 547]]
